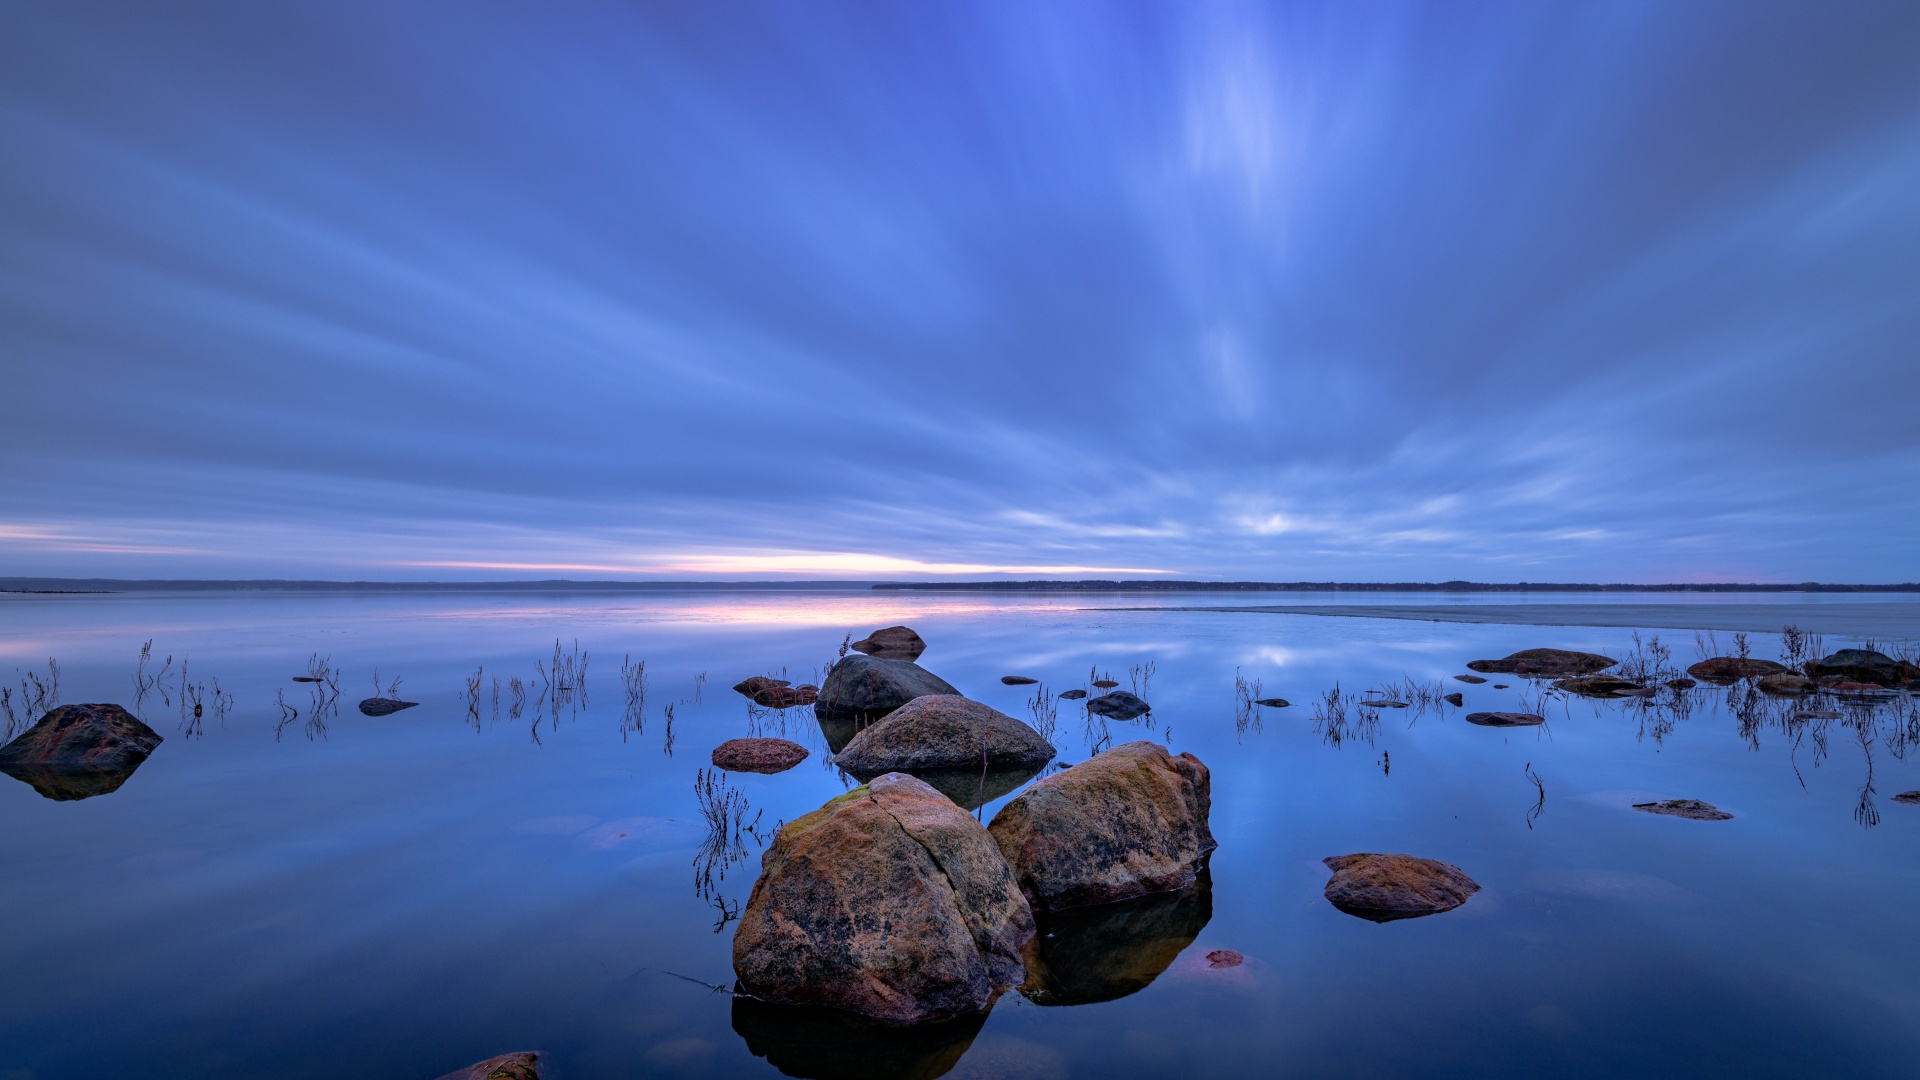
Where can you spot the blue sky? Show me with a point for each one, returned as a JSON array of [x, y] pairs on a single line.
[[1524, 291]]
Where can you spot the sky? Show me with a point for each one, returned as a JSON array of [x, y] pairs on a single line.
[[1340, 291]]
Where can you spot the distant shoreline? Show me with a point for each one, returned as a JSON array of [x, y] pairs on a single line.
[[1378, 587]]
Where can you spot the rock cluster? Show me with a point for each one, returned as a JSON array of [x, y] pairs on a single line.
[[1865, 666], [1601, 686]]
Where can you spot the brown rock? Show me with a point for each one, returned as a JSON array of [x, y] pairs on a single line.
[[1383, 888], [1546, 662], [1691, 809], [1726, 669], [105, 737], [1785, 683], [892, 643], [521, 1066], [1471, 680], [1118, 705], [1601, 686], [944, 732], [865, 688], [758, 755], [757, 683], [784, 697], [1127, 822], [889, 901], [1105, 684], [1225, 958], [1864, 665], [1505, 719]]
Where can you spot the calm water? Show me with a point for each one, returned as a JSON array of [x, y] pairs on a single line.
[[397, 897]]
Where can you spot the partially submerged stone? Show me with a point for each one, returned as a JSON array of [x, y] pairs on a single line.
[[1383, 888], [1273, 703], [1072, 695], [1455, 699], [862, 687], [758, 755], [521, 1066], [785, 697], [1472, 680], [756, 683], [889, 901], [1726, 669], [1552, 663], [1691, 809], [1600, 686], [892, 643], [384, 706], [1681, 684], [1127, 822], [1911, 798], [1105, 684], [1864, 665], [944, 731], [1220, 958], [1786, 684], [1018, 680], [1102, 953], [1506, 719], [98, 736], [1118, 705]]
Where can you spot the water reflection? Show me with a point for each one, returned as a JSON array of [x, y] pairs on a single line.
[[70, 784], [970, 789], [828, 1044], [1086, 955]]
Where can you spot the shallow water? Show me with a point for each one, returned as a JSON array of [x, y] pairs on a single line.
[[403, 895]]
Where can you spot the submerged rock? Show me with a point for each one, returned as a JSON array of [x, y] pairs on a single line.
[[1691, 809], [862, 687], [1127, 822], [1383, 703], [1105, 684], [1911, 798], [1726, 669], [1600, 686], [1118, 705], [1455, 699], [828, 1044], [944, 731], [751, 686], [1471, 680], [1102, 953], [785, 697], [1682, 684], [1786, 683], [1383, 888], [1018, 680], [758, 755], [1864, 665], [1273, 703], [1546, 662], [521, 1066], [101, 736], [1072, 695], [1859, 691], [889, 901], [892, 643], [1506, 719], [384, 706]]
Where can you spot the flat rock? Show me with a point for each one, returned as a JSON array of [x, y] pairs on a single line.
[[1105, 684], [1600, 686], [1691, 809], [1786, 683], [944, 732], [892, 643], [890, 902], [1911, 798], [1725, 669], [1383, 888], [785, 697], [100, 736], [1864, 665], [1017, 680], [1546, 662], [1127, 822], [758, 755], [520, 1066], [753, 685], [1506, 719], [1273, 703], [1471, 680], [1118, 705], [384, 706], [1072, 695], [862, 687], [1859, 690], [1383, 703]]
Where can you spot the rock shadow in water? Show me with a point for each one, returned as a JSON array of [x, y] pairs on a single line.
[[1092, 954], [70, 784], [828, 1044], [970, 789]]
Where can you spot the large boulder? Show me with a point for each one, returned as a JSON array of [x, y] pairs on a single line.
[[1866, 666], [944, 732], [1125, 823], [521, 1066], [1726, 669], [1118, 705], [1552, 663], [104, 737], [864, 688], [892, 643], [1382, 888], [758, 755], [889, 901]]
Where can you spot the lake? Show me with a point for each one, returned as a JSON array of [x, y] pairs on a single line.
[[292, 889]]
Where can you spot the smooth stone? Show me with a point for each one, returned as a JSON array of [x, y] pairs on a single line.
[[1455, 699], [862, 687], [1072, 695], [829, 1044], [1105, 684], [944, 732], [765, 756], [1087, 955], [1547, 662], [889, 901], [1786, 683], [1017, 680], [1691, 809], [1864, 665], [751, 686], [384, 706], [891, 643], [1118, 705], [1472, 680], [100, 736], [1600, 686], [1130, 821], [1383, 888], [1273, 703], [1505, 719], [521, 1066], [1726, 669]]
